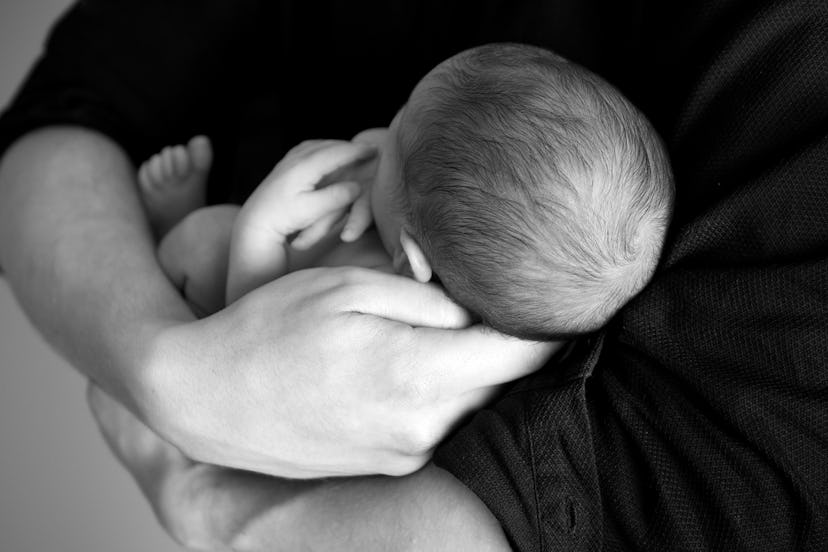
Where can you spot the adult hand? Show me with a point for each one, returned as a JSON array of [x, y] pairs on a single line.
[[326, 372]]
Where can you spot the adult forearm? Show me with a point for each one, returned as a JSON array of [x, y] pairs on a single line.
[[78, 253], [428, 510]]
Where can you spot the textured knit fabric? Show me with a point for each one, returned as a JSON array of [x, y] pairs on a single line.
[[698, 419]]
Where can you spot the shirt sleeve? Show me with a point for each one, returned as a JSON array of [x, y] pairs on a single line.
[[147, 73], [703, 423]]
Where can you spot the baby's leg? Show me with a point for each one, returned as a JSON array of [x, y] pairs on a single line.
[[173, 183], [194, 255], [194, 248]]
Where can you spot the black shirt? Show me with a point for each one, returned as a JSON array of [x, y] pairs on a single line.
[[698, 418]]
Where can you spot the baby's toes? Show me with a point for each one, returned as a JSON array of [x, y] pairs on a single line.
[[155, 171], [181, 162], [201, 153], [144, 180], [168, 165]]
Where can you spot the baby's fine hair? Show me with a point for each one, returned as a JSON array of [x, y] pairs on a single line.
[[538, 193]]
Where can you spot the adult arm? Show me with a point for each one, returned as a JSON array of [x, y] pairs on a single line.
[[206, 507], [429, 510], [75, 245], [77, 251]]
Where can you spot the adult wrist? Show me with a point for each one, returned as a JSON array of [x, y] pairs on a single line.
[[157, 396], [183, 398]]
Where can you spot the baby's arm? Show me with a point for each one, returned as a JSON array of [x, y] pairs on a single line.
[[290, 200]]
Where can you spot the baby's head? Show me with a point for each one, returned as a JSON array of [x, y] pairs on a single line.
[[535, 192]]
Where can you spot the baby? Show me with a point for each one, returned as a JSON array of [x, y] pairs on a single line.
[[534, 192]]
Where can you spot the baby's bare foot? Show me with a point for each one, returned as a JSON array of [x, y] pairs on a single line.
[[173, 183]]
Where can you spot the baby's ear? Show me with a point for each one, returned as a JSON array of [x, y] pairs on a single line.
[[420, 267]]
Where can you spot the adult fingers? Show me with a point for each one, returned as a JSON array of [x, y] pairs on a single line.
[[430, 424], [109, 416], [404, 300], [459, 361], [458, 409]]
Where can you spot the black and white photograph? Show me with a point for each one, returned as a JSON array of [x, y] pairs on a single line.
[[398, 275]]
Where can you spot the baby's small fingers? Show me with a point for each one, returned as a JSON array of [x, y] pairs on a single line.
[[359, 219], [319, 203], [372, 136], [310, 146], [320, 210], [321, 161], [311, 235]]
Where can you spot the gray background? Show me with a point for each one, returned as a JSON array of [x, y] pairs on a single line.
[[60, 490]]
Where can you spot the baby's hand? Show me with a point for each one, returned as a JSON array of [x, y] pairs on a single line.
[[295, 196], [360, 218]]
